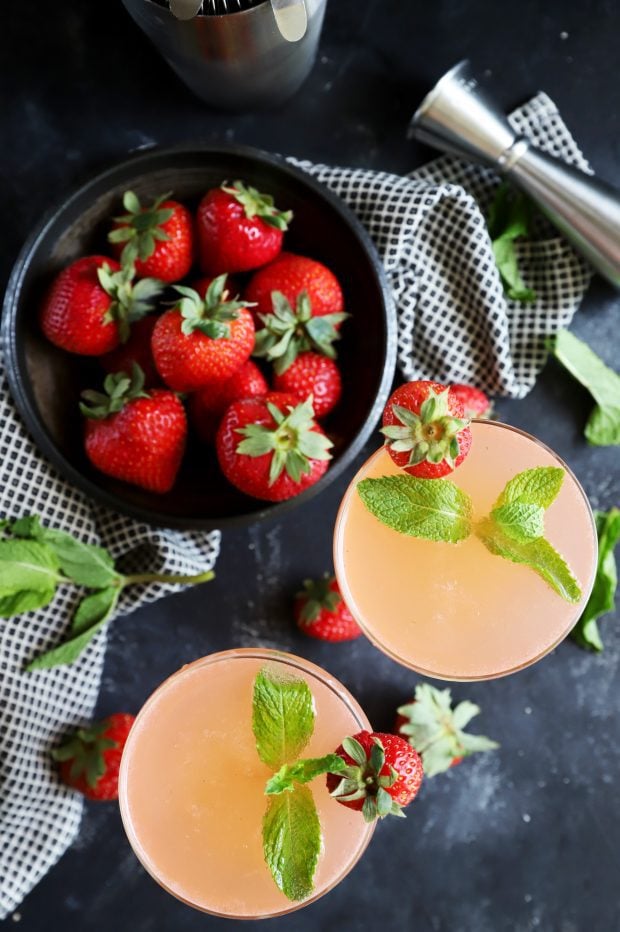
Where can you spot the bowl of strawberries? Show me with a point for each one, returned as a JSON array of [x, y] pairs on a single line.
[[200, 336]]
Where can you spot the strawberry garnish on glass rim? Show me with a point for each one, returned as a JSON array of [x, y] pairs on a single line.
[[289, 332], [321, 612], [382, 775], [293, 442], [426, 433]]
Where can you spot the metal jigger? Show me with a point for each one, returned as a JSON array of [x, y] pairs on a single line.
[[458, 117]]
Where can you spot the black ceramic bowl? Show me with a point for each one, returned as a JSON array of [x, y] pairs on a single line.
[[46, 382]]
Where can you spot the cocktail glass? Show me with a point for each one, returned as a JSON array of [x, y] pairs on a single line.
[[191, 785], [457, 611]]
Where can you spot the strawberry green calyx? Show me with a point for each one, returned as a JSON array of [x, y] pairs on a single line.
[[130, 300], [118, 389], [429, 436], [260, 205], [85, 751], [210, 315], [289, 332], [436, 729], [317, 596], [363, 780], [141, 227], [293, 442]]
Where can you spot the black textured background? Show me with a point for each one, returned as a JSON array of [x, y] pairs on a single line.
[[523, 839]]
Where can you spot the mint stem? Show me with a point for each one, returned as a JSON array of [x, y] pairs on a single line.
[[168, 578]]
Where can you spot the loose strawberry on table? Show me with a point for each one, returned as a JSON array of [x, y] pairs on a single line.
[[427, 433], [238, 229], [136, 351], [291, 274], [321, 612], [435, 729], [158, 240], [383, 775], [207, 405], [134, 435], [89, 760], [312, 374], [91, 303], [204, 339], [271, 447], [475, 402]]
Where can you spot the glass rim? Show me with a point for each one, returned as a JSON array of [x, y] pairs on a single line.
[[578, 610], [240, 653]]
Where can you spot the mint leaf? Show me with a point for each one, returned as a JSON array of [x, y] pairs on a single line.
[[537, 486], [538, 554], [86, 564], [28, 576], [603, 427], [521, 522], [509, 218], [303, 771], [292, 841], [433, 509], [91, 615], [603, 596], [282, 717]]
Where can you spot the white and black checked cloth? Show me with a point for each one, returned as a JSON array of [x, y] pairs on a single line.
[[455, 325]]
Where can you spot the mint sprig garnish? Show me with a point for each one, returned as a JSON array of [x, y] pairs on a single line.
[[36, 560], [434, 509], [303, 771], [438, 510], [283, 723], [514, 530], [603, 426], [603, 596]]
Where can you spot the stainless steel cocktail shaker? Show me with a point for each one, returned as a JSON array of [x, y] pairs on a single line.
[[246, 59], [461, 118]]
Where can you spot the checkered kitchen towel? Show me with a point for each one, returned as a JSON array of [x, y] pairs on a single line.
[[454, 325]]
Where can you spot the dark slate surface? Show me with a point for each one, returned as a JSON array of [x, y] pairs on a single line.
[[526, 838]]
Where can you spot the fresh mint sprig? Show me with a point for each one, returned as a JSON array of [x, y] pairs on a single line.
[[438, 510], [603, 426], [35, 560], [510, 219], [283, 723], [603, 596], [514, 530]]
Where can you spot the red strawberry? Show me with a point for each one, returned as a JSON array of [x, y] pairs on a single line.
[[208, 404], [133, 435], [475, 402], [312, 374], [270, 447], [383, 775], [435, 729], [90, 304], [320, 611], [426, 432], [158, 240], [203, 340], [238, 229], [136, 350], [89, 760], [286, 333], [291, 274]]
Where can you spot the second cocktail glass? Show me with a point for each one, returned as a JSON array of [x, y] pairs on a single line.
[[458, 611]]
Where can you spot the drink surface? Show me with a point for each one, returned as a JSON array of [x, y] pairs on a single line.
[[192, 785], [456, 611]]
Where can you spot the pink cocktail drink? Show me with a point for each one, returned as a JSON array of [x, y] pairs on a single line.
[[457, 611], [192, 787]]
